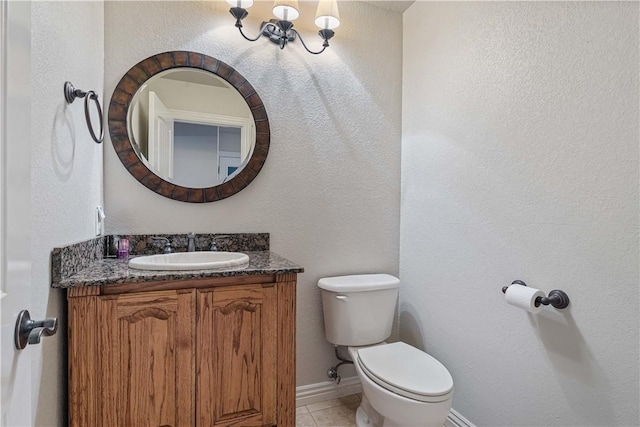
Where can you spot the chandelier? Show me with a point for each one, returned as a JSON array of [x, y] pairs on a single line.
[[280, 30]]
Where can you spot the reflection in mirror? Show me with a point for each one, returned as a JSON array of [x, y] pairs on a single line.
[[191, 127]]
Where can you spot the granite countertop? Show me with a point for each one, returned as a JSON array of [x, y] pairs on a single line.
[[115, 271]]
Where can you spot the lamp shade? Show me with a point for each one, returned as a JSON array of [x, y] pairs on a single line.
[[327, 16], [286, 9], [245, 4]]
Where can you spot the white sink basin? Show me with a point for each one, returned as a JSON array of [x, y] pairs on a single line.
[[189, 261]]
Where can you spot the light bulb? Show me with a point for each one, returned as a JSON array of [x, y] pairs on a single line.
[[327, 16], [286, 10], [245, 4]]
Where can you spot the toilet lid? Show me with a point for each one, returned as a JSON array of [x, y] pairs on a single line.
[[406, 370], [359, 283]]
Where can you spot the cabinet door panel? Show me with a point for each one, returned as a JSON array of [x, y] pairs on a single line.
[[235, 358], [147, 351]]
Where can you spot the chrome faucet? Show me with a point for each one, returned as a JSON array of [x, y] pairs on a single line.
[[191, 242]]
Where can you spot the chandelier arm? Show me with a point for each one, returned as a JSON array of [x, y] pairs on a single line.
[[324, 46], [260, 34]]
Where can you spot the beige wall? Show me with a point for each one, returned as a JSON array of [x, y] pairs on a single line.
[[66, 173], [329, 192], [520, 161]]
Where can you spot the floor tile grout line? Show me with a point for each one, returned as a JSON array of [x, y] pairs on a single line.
[[340, 412]]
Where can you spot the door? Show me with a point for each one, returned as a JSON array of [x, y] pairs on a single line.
[[146, 359], [160, 134], [236, 356], [15, 206]]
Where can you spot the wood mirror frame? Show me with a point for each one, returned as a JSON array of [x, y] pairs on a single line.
[[121, 140]]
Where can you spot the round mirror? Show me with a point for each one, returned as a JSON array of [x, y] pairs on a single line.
[[189, 127]]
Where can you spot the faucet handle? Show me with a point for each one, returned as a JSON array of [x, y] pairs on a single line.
[[167, 244], [214, 244]]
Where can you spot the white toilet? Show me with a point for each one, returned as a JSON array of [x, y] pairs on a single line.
[[402, 385]]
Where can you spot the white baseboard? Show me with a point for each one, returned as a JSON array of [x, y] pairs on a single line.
[[456, 420], [314, 393]]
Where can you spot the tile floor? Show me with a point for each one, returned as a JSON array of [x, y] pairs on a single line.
[[339, 412]]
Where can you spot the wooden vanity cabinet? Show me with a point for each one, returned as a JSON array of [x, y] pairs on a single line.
[[210, 352]]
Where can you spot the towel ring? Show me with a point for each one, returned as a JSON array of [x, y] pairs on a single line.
[[70, 95]]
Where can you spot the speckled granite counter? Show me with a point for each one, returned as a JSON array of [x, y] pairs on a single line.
[[114, 271], [83, 264]]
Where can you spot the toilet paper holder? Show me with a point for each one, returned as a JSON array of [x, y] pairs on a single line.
[[557, 298]]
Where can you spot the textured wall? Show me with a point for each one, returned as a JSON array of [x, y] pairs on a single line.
[[66, 172], [520, 160], [329, 192]]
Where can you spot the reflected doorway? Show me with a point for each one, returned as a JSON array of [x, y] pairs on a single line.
[[202, 151]]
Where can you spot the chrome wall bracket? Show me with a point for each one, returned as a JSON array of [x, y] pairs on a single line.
[[31, 331]]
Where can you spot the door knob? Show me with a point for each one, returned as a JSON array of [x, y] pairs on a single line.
[[31, 331]]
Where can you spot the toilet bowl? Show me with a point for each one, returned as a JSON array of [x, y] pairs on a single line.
[[402, 386]]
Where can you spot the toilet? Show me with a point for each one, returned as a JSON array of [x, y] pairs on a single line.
[[401, 385]]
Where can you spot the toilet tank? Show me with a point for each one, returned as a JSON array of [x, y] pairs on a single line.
[[359, 309]]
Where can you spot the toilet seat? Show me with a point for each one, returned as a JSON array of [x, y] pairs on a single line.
[[407, 371]]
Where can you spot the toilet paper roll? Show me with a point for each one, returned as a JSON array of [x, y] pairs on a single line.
[[524, 297]]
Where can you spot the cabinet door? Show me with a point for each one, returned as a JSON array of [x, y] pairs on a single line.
[[146, 355], [236, 356]]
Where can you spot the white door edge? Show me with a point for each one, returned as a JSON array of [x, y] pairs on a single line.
[[15, 207]]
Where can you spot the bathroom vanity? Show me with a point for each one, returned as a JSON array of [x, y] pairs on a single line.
[[182, 348]]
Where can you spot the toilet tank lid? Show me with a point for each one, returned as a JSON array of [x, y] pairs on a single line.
[[359, 283]]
